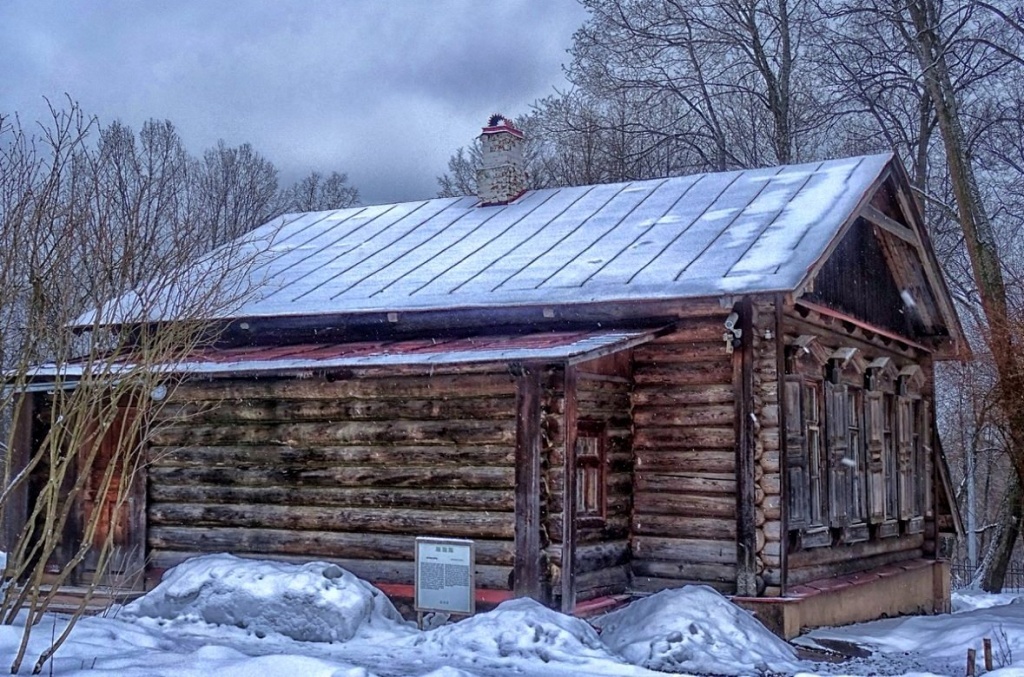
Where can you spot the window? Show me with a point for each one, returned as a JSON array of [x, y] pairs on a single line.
[[590, 469], [857, 446]]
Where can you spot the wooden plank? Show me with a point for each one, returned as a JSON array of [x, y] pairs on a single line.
[[237, 456], [671, 526], [719, 573], [686, 461], [650, 584], [712, 350], [834, 555], [695, 550], [684, 505], [711, 393], [336, 433], [685, 416], [568, 506], [691, 483], [684, 439], [348, 476], [746, 438], [391, 520], [482, 408], [891, 226], [452, 386], [527, 575], [498, 500], [684, 374], [309, 543]]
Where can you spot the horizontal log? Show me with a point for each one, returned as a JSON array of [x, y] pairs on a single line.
[[686, 461], [667, 396], [692, 550], [353, 497], [591, 557], [698, 329], [650, 584], [493, 525], [314, 457], [481, 408], [721, 573], [799, 559], [689, 415], [373, 571], [692, 527], [450, 386], [659, 503], [683, 374], [313, 544], [358, 432], [801, 575], [347, 476], [614, 578], [683, 439], [694, 351], [690, 483]]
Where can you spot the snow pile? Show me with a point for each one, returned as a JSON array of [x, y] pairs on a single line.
[[694, 629], [314, 602], [969, 600], [516, 629]]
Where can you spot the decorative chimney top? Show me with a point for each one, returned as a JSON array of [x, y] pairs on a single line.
[[502, 176]]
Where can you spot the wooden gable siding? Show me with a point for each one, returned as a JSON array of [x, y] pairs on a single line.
[[858, 281], [684, 440], [350, 471], [837, 558]]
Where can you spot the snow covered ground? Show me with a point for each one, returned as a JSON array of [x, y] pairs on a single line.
[[220, 615]]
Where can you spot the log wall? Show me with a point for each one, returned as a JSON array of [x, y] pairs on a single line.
[[684, 437], [767, 450], [349, 471]]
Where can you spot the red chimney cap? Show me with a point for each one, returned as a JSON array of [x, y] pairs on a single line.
[[499, 123]]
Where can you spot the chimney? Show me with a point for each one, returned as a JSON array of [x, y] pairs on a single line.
[[502, 178]]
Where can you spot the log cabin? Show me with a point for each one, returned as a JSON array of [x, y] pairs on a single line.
[[722, 379]]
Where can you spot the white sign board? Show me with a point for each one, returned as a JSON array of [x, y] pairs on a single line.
[[445, 578]]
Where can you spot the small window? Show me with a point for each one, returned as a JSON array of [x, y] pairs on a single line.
[[590, 469]]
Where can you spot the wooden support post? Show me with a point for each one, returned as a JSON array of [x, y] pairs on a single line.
[[527, 570], [971, 655], [987, 644], [746, 522], [780, 371], [569, 494]]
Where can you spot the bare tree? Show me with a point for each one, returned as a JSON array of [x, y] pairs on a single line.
[[316, 193]]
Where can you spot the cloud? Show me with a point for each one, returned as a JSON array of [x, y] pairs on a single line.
[[385, 91]]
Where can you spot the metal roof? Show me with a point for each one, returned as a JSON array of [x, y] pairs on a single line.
[[750, 231], [547, 347]]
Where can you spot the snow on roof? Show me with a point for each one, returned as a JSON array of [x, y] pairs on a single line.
[[543, 347], [749, 231]]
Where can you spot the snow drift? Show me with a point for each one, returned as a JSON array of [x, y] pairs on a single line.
[[694, 629], [314, 602]]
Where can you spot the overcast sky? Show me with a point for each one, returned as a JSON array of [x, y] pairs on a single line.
[[384, 90]]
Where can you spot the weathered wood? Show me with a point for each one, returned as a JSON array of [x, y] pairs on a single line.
[[829, 556], [529, 516], [801, 575], [375, 571], [235, 411], [683, 439], [695, 351], [450, 386], [686, 461], [683, 374], [722, 573], [694, 483], [391, 520], [697, 329], [608, 579], [602, 555], [500, 500], [351, 476], [672, 526], [336, 433], [649, 584], [308, 543], [668, 396], [746, 440], [689, 416], [685, 550], [317, 457], [568, 503], [684, 505]]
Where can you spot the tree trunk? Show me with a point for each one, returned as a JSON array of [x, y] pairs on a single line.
[[1009, 529]]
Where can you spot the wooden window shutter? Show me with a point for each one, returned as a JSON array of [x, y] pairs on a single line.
[[875, 439], [796, 457], [923, 460], [839, 471], [904, 444]]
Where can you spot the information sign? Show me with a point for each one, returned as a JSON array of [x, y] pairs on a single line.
[[445, 575]]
